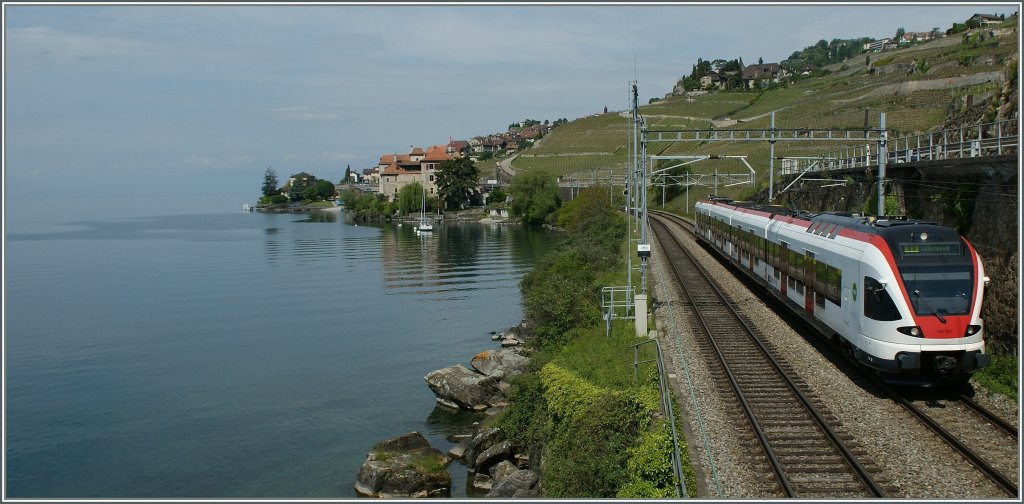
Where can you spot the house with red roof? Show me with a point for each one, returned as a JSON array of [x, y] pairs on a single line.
[[398, 170]]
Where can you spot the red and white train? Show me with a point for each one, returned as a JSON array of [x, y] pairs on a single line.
[[903, 296]]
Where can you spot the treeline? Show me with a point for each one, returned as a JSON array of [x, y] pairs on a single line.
[[730, 70], [824, 53], [589, 429]]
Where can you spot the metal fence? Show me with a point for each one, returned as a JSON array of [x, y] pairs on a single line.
[[989, 139]]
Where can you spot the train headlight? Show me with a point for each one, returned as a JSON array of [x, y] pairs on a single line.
[[972, 330], [910, 331]]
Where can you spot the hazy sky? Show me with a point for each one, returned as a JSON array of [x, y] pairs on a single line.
[[199, 100]]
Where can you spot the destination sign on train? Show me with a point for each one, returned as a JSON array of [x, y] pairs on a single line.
[[946, 248]]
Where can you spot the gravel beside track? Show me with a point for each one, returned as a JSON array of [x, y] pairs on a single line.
[[913, 460]]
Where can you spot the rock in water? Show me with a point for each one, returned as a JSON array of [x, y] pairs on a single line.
[[404, 466], [504, 363], [520, 483], [461, 387]]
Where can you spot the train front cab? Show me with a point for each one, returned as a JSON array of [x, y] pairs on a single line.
[[923, 319]]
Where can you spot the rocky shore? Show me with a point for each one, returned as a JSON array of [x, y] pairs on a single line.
[[407, 466]]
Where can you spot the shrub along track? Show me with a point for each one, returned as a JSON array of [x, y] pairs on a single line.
[[809, 457]]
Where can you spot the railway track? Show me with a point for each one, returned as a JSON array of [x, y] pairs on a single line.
[[981, 437], [807, 456]]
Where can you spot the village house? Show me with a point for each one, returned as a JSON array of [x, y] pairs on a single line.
[[986, 19], [531, 132], [398, 170], [458, 148], [909, 37], [880, 45], [754, 74], [712, 79], [371, 176]]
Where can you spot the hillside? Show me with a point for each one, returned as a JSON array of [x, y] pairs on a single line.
[[917, 88]]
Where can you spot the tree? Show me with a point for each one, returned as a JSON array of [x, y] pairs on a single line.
[[900, 32], [534, 196], [410, 197], [297, 190], [456, 181], [323, 189], [270, 182], [760, 61], [348, 174], [497, 195]]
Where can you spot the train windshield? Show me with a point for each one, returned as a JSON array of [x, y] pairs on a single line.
[[938, 289]]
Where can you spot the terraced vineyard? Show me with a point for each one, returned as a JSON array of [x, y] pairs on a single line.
[[916, 87]]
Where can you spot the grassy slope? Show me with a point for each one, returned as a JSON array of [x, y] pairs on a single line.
[[600, 143]]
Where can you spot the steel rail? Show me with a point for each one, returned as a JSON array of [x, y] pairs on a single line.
[[1005, 483], [988, 415], [780, 473], [854, 463]]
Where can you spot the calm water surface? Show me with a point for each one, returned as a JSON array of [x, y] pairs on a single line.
[[238, 355]]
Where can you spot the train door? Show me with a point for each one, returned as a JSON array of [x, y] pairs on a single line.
[[751, 249], [853, 310], [810, 274], [784, 266]]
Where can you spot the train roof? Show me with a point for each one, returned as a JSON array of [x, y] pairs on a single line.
[[886, 226]]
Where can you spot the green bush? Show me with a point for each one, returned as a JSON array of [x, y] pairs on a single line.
[[523, 420], [278, 199], [650, 467], [559, 294], [1001, 377], [534, 196], [580, 413]]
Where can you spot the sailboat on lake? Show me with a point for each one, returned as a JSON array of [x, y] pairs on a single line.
[[425, 223]]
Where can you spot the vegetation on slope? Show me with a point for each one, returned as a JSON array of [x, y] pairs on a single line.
[[898, 83], [580, 387]]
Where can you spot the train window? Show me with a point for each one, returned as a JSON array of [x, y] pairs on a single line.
[[877, 303], [819, 299], [835, 285]]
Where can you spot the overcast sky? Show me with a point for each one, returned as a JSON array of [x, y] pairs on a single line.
[[201, 99]]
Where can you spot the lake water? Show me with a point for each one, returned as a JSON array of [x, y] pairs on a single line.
[[238, 355]]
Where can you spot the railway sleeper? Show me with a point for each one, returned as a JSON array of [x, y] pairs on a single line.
[[801, 453], [837, 470], [801, 429], [782, 418]]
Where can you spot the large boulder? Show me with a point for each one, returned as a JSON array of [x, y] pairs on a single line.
[[514, 335], [504, 363], [480, 443], [460, 387], [496, 453], [404, 466], [501, 470], [521, 483]]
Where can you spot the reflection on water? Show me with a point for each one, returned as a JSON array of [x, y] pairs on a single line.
[[239, 355], [446, 421], [455, 261]]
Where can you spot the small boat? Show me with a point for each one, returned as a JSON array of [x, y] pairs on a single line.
[[425, 224]]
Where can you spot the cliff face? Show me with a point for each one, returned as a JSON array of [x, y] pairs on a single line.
[[980, 201]]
